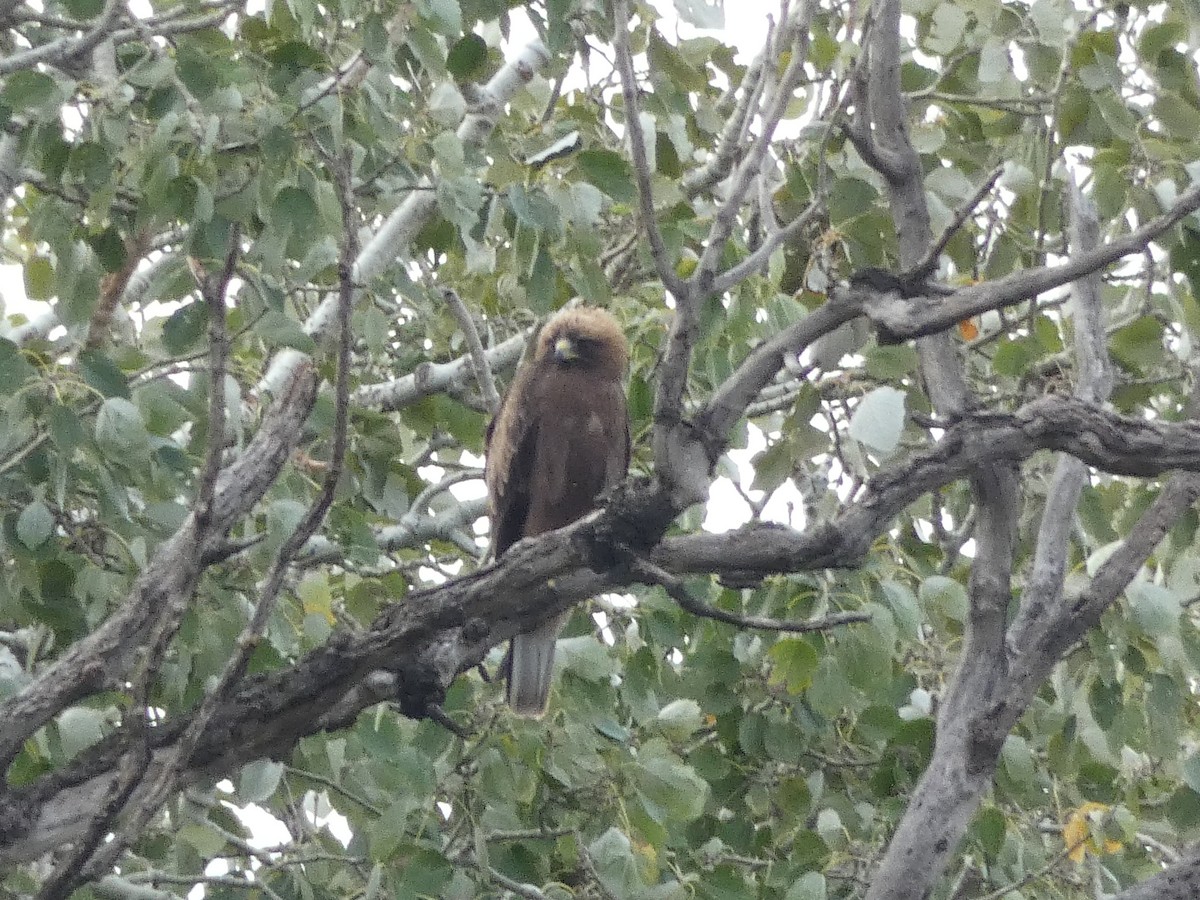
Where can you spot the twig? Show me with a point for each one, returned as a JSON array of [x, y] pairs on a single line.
[[936, 314], [649, 573], [214, 289], [928, 262], [479, 362], [64, 49], [1037, 873], [637, 149], [796, 27]]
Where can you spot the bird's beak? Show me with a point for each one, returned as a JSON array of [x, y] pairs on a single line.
[[565, 350]]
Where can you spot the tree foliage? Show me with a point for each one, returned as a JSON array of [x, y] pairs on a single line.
[[913, 287]]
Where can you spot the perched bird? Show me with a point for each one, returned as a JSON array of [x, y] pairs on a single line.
[[560, 439]]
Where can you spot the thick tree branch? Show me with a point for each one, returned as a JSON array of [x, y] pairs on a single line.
[[1045, 581], [415, 648], [431, 378], [101, 660]]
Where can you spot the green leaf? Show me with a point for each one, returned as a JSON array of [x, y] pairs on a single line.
[[295, 213], [810, 886], [109, 248], [447, 106], [34, 524], [701, 13], [425, 874], [680, 719], [609, 172], [101, 373], [466, 58], [1139, 345], [78, 728], [120, 431], [280, 330], [949, 24], [878, 419], [184, 327], [39, 279], [534, 208], [612, 855], [944, 596], [206, 840], [446, 15], [66, 430], [1155, 609], [26, 89], [671, 789], [990, 828], [1191, 772], [794, 662], [586, 657], [15, 370], [258, 780], [850, 198], [197, 71], [84, 9]]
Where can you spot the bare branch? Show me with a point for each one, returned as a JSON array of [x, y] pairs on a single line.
[[432, 378], [928, 262], [213, 289], [479, 360], [729, 402], [637, 149], [758, 260], [67, 48], [651, 574], [730, 142], [793, 33], [918, 316]]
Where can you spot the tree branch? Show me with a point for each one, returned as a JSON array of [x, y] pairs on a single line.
[[67, 48], [475, 352], [417, 647], [432, 378], [637, 150], [101, 660], [917, 316], [649, 573]]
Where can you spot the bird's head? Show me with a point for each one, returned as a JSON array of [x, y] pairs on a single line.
[[584, 337]]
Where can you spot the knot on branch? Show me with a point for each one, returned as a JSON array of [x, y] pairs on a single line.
[[638, 513], [986, 739], [419, 690]]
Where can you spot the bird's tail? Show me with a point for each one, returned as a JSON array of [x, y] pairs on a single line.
[[531, 665]]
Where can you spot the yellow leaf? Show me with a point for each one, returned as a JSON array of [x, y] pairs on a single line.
[[968, 329], [1077, 833]]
